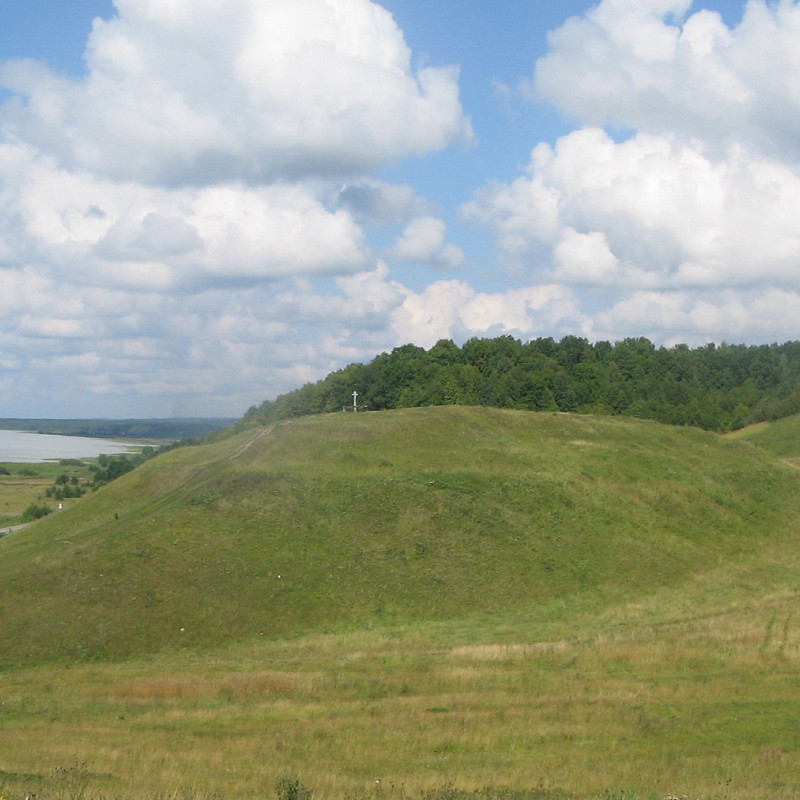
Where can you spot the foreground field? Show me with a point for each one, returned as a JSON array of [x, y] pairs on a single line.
[[671, 697], [443, 601]]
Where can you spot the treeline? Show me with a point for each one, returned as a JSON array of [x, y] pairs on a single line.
[[716, 387], [174, 429], [108, 468]]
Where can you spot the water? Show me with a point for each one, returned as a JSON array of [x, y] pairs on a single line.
[[23, 447]]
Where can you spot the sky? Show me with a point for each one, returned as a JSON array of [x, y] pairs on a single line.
[[207, 203]]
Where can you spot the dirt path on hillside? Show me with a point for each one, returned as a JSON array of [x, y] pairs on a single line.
[[11, 529], [250, 442]]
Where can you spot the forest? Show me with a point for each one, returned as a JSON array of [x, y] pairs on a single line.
[[719, 387]]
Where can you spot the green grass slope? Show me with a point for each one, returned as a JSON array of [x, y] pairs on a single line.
[[781, 437], [346, 521]]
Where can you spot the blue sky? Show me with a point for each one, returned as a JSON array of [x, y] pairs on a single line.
[[205, 203]]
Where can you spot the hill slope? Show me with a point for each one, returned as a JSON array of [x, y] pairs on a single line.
[[334, 522], [781, 437]]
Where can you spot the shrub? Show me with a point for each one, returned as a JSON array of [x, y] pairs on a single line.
[[291, 789], [33, 512]]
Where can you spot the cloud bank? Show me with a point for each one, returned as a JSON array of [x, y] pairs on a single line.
[[152, 212], [672, 208], [191, 226]]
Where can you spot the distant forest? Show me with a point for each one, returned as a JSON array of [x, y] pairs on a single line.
[[160, 429], [716, 387]]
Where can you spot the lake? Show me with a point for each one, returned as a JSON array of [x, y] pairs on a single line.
[[23, 447]]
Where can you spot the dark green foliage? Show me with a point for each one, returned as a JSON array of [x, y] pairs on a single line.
[[112, 467], [107, 469], [716, 387], [33, 512], [291, 789]]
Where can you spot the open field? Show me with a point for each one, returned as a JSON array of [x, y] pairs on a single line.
[[643, 702], [27, 483], [450, 601]]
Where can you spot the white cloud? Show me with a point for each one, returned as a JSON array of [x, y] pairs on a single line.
[[643, 65], [584, 257], [92, 230], [454, 309], [220, 91], [649, 212], [689, 317], [684, 228], [423, 241], [362, 300], [162, 217], [372, 201], [187, 228]]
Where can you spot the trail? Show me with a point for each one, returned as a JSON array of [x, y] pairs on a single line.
[[11, 529], [260, 435]]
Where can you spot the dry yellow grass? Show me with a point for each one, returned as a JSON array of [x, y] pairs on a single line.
[[701, 702]]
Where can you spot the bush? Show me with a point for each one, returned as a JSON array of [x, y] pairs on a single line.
[[291, 789], [33, 512]]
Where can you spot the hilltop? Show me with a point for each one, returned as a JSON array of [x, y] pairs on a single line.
[[347, 521], [715, 387]]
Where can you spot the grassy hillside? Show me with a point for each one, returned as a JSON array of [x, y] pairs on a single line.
[[413, 605], [348, 521], [781, 437]]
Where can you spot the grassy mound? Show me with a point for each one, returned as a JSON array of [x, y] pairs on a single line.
[[346, 521], [781, 437]]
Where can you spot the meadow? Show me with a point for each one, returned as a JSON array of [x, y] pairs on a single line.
[[626, 629], [22, 485]]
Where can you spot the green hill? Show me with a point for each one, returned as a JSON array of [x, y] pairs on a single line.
[[781, 437], [352, 521]]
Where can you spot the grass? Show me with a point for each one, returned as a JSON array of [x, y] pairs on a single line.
[[645, 699], [26, 484], [341, 522], [781, 437], [471, 604]]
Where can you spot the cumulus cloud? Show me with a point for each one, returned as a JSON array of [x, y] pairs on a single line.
[[646, 66], [652, 211], [208, 352], [423, 240], [454, 309], [198, 146], [373, 202], [89, 229], [695, 200], [690, 317], [164, 217], [201, 92], [193, 224]]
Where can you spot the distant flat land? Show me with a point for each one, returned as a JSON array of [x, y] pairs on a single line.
[[178, 428]]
